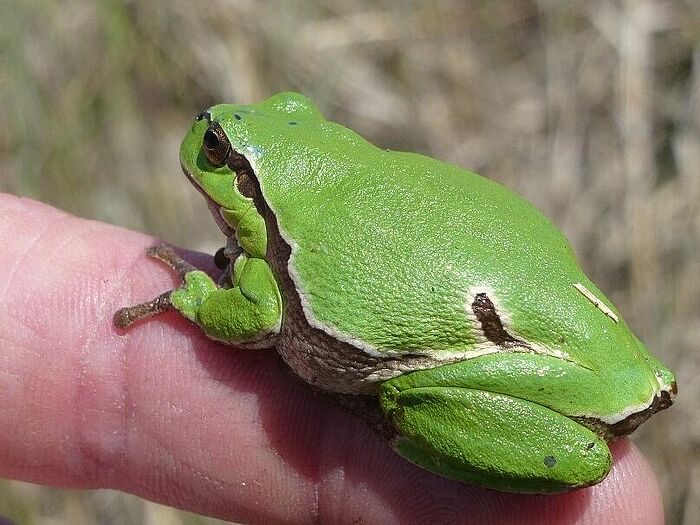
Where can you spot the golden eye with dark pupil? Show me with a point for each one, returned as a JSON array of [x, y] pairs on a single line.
[[216, 145]]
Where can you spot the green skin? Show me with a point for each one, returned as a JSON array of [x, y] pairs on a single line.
[[403, 257]]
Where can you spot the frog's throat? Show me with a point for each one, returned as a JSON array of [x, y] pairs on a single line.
[[214, 207]]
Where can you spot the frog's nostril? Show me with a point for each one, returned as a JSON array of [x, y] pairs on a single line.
[[203, 115]]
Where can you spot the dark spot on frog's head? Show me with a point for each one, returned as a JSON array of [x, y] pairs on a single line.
[[550, 461], [590, 445], [292, 122], [237, 116]]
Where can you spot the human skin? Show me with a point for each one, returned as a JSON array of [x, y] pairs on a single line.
[[162, 412]]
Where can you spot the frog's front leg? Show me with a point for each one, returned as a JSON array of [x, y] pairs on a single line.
[[246, 314], [460, 423], [125, 317]]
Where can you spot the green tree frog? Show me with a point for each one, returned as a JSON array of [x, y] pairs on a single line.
[[452, 301]]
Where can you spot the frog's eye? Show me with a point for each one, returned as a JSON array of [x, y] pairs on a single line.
[[216, 145]]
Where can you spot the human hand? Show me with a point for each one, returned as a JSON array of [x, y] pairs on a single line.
[[165, 413]]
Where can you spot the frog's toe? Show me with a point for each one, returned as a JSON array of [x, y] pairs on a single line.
[[166, 254]]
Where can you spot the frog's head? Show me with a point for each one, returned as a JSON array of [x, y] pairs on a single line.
[[222, 150]]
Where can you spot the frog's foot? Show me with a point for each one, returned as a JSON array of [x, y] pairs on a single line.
[[196, 288], [492, 439]]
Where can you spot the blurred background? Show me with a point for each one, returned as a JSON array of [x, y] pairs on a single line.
[[590, 109]]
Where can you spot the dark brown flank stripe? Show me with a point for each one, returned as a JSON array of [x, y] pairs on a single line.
[[622, 428], [491, 324]]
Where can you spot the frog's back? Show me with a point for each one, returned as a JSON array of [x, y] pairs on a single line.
[[393, 247]]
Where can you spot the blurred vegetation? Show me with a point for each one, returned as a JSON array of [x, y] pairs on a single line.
[[591, 109]]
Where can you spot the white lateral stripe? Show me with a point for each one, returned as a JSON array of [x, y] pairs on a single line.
[[597, 302], [616, 418]]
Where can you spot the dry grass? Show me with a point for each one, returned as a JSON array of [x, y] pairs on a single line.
[[591, 109]]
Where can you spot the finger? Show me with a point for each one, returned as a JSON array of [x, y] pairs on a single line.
[[162, 412]]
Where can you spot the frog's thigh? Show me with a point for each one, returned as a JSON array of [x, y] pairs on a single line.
[[493, 439], [250, 311]]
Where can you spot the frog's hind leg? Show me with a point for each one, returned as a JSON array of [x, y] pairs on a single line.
[[459, 422]]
